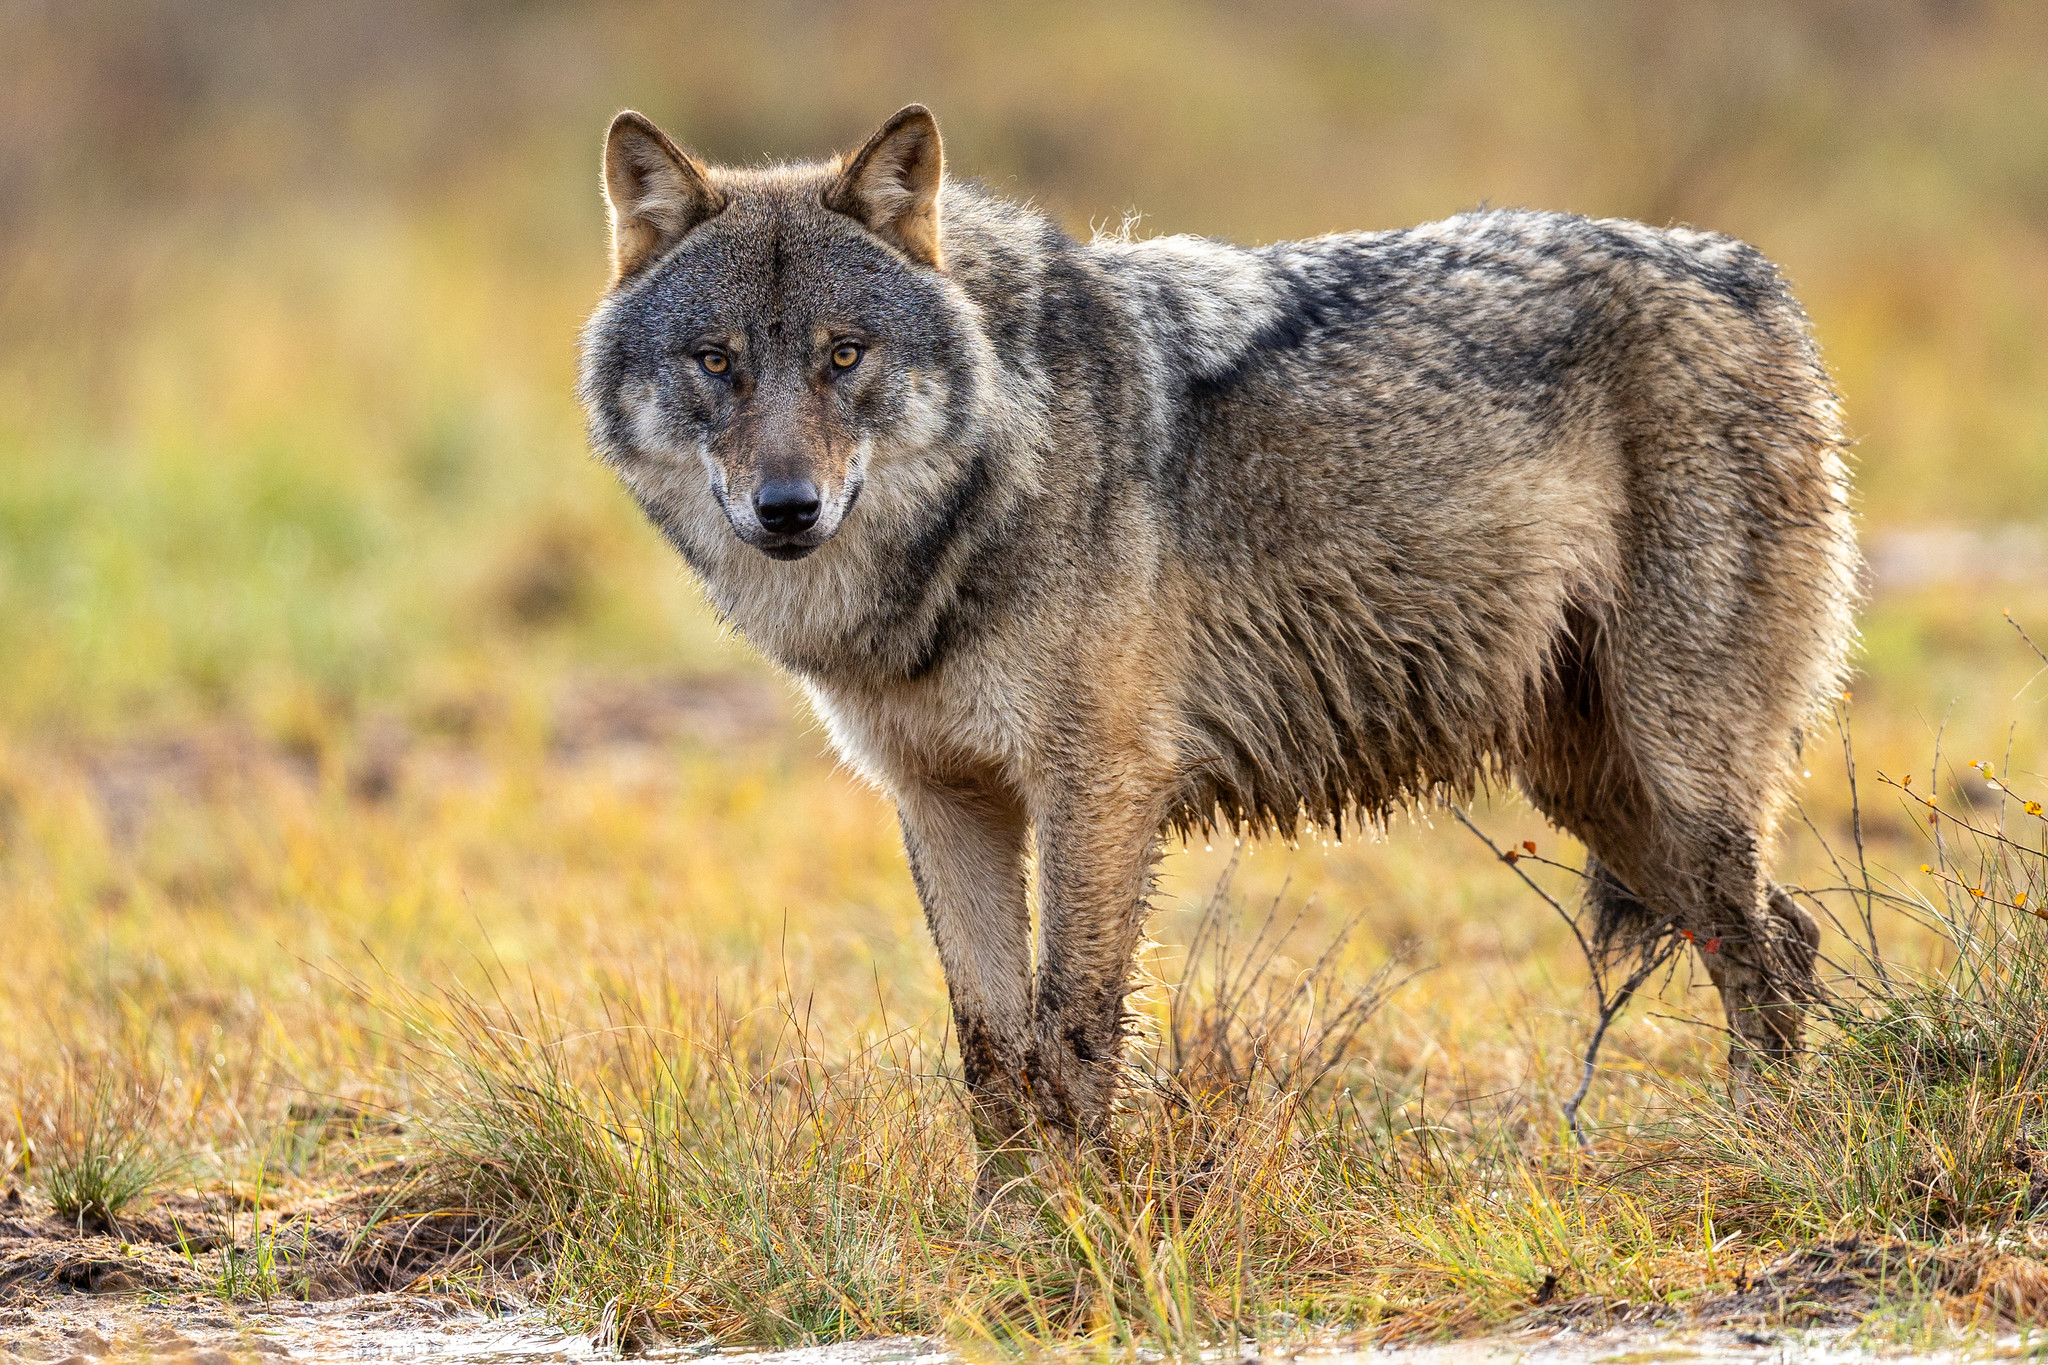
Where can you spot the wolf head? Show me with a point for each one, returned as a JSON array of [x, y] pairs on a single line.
[[778, 336]]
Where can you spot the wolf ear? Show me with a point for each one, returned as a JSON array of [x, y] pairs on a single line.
[[657, 192], [891, 186]]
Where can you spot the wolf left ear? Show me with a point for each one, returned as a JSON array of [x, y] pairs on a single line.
[[657, 192], [891, 186]]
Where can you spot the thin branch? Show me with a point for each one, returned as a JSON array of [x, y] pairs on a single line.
[[1856, 826], [1934, 785], [1609, 1012], [2043, 657], [1653, 953], [1952, 818], [1548, 899]]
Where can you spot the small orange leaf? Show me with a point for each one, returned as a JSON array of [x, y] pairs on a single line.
[[1529, 846], [2020, 900], [2032, 808]]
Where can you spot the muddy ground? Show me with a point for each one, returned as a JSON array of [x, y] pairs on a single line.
[[231, 1246], [208, 1277], [213, 1278]]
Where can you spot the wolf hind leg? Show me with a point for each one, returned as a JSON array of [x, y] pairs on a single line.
[[1693, 849], [1662, 857], [1763, 963], [1702, 873], [1674, 816], [1622, 923]]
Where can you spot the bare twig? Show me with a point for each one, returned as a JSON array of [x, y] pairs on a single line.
[[2043, 657], [1610, 1010], [1934, 786], [1938, 815], [1653, 951], [1856, 827], [1548, 899], [1257, 1015]]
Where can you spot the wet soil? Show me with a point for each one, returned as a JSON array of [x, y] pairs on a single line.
[[211, 1279], [231, 1246], [1835, 1286], [371, 1327], [432, 1332]]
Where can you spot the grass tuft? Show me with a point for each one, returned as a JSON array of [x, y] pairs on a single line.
[[1921, 1110], [99, 1152], [684, 1171]]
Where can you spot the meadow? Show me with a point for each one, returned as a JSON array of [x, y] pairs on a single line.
[[392, 843]]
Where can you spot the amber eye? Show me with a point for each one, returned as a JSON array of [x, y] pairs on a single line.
[[845, 355], [715, 362]]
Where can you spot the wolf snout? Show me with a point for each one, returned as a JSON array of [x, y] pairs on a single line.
[[788, 507]]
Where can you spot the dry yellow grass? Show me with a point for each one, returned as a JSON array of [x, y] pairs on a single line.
[[341, 694]]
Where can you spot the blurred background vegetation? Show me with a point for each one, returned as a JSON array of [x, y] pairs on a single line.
[[321, 638], [289, 293]]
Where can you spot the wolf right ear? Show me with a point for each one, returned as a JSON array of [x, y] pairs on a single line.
[[657, 192]]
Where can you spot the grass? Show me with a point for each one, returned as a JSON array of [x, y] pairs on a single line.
[[698, 1085], [97, 1149], [1920, 1113], [689, 1167], [754, 1176], [374, 787]]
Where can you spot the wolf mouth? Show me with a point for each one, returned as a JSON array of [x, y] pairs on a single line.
[[792, 548]]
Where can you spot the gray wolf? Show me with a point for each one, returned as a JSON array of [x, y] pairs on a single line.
[[1075, 544]]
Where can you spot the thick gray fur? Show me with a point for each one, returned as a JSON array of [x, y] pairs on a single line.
[[1122, 537]]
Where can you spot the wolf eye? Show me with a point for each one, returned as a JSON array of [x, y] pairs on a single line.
[[715, 362], [845, 355]]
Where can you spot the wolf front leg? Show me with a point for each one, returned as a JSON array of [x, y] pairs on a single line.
[[1096, 846], [965, 838]]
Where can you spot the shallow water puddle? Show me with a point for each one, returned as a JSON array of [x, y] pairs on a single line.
[[86, 1329], [373, 1328], [1652, 1346]]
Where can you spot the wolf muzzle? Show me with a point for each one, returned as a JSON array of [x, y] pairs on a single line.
[[791, 517]]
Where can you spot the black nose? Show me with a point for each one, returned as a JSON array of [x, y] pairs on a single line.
[[787, 506]]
